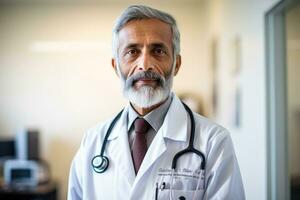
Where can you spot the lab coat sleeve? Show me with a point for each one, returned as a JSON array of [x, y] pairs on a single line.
[[223, 178], [75, 183], [75, 176]]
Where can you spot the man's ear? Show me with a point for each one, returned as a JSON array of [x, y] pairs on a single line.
[[178, 64], [114, 65]]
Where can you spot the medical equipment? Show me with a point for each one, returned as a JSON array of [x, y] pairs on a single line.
[[20, 173], [101, 162]]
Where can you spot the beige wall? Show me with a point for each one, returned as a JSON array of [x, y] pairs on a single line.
[[55, 71], [243, 19]]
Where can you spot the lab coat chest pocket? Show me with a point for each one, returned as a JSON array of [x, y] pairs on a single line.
[[182, 184], [181, 194]]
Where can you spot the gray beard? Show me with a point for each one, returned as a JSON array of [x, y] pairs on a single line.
[[147, 96]]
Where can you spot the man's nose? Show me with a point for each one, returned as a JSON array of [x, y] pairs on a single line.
[[145, 63]]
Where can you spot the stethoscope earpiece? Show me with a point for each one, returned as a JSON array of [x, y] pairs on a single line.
[[100, 163]]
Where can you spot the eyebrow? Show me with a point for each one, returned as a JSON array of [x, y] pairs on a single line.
[[153, 45], [132, 45], [160, 44]]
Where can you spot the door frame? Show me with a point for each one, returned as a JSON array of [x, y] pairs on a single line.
[[278, 184]]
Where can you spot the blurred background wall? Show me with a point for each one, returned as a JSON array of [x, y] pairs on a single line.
[[238, 28], [55, 73]]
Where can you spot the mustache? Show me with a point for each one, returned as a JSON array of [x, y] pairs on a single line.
[[145, 75]]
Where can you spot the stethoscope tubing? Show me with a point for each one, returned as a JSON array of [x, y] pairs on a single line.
[[103, 165], [190, 148]]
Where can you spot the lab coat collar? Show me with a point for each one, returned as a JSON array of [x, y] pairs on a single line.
[[122, 122], [173, 128], [175, 125]]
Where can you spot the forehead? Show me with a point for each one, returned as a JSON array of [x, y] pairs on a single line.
[[146, 31]]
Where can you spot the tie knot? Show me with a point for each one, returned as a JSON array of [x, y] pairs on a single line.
[[141, 125]]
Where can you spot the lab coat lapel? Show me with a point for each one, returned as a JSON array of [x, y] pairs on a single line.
[[121, 151], [156, 149], [174, 128]]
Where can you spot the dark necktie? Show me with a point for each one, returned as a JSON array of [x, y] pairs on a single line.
[[139, 148]]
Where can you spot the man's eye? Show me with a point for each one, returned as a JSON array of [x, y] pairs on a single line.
[[132, 52], [158, 51]]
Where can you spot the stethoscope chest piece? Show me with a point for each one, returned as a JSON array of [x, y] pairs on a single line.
[[100, 163]]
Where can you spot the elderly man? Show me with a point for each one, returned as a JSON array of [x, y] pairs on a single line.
[[156, 147]]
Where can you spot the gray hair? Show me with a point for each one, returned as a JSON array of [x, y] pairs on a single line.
[[139, 12]]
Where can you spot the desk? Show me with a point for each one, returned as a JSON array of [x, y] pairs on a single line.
[[41, 192]]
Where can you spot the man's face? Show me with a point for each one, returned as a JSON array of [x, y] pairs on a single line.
[[146, 64]]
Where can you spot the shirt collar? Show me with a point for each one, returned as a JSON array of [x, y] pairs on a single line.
[[155, 118]]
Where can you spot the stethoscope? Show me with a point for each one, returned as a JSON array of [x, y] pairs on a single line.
[[100, 162]]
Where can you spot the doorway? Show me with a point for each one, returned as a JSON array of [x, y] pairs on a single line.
[[283, 99]]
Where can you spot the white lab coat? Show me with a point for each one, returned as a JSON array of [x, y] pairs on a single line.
[[222, 175]]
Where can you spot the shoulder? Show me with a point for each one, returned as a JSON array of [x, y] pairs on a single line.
[[206, 130], [206, 125], [97, 132], [210, 133], [97, 129]]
